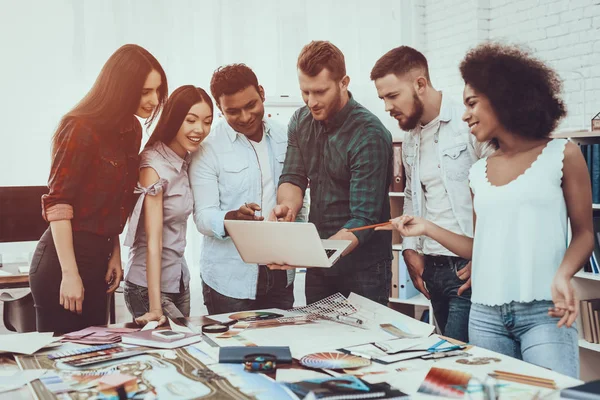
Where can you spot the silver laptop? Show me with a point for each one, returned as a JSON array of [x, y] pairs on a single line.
[[288, 243]]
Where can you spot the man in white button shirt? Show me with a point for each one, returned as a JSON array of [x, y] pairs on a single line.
[[437, 153], [234, 176]]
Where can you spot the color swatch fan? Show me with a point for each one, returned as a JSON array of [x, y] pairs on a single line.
[[333, 360]]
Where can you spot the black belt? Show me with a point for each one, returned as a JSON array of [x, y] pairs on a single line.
[[443, 260]]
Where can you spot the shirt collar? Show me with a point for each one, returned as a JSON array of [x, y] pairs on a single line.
[[445, 109], [338, 119], [171, 157], [232, 134]]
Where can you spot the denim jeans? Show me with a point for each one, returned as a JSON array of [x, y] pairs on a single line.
[[451, 310], [373, 282], [526, 331], [174, 305], [92, 253], [271, 292]]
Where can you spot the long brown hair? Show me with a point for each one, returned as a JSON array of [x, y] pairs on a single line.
[[176, 108], [116, 94]]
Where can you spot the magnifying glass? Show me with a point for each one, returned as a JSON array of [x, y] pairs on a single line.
[[219, 327]]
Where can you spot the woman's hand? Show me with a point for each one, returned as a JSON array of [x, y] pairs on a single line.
[[156, 315], [71, 292], [114, 274], [407, 226], [566, 306]]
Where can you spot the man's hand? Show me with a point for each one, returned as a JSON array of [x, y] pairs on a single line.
[[247, 212], [415, 264], [114, 274], [464, 275], [281, 213]]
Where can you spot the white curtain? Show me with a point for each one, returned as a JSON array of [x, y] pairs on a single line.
[[52, 52]]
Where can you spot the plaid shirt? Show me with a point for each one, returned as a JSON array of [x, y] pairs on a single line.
[[92, 177], [348, 162]]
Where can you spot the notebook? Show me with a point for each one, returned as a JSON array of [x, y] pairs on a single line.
[[345, 387], [236, 354], [145, 338], [587, 391]]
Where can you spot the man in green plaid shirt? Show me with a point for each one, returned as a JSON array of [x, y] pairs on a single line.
[[345, 152]]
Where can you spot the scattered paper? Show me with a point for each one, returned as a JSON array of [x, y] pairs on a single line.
[[375, 314], [14, 379], [297, 375], [150, 325], [25, 343]]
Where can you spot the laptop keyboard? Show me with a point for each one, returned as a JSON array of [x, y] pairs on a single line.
[[330, 252]]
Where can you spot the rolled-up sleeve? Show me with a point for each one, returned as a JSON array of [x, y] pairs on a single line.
[[203, 173], [294, 171], [75, 145], [370, 169]]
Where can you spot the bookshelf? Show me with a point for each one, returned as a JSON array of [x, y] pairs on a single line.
[[587, 285]]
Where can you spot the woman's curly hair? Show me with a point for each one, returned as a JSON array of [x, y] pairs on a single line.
[[524, 92]]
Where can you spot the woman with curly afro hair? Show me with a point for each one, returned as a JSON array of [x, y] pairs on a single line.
[[523, 194]]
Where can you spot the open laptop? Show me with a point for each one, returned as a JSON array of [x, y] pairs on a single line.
[[290, 243]]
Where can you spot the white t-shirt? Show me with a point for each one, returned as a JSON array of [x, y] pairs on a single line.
[[269, 195], [521, 232], [437, 202]]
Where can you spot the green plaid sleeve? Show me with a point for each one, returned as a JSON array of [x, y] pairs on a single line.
[[293, 169], [369, 183]]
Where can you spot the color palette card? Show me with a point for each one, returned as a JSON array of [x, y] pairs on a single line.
[[446, 383]]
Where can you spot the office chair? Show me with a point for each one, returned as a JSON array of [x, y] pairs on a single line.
[[19, 313]]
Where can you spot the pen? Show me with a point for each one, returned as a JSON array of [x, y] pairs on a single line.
[[352, 320]]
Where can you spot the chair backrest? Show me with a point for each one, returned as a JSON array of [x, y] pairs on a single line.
[[19, 313], [21, 213]]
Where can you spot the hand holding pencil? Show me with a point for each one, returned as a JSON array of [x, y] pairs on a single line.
[[407, 225]]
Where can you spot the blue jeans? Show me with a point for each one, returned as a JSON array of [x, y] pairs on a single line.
[[451, 310], [526, 331], [174, 305], [372, 281]]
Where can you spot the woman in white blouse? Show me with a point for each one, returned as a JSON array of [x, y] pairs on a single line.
[[157, 277], [522, 263]]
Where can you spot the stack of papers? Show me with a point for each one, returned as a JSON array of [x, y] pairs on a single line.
[[98, 335], [26, 343]]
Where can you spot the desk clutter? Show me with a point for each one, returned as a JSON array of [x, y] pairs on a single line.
[[373, 352]]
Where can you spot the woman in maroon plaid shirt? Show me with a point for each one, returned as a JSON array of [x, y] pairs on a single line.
[[77, 262]]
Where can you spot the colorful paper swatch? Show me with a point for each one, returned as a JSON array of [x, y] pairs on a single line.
[[446, 383], [333, 360]]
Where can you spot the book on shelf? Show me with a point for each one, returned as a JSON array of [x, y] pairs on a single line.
[[591, 154], [397, 184], [590, 321]]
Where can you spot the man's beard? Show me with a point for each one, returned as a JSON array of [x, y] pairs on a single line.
[[414, 118]]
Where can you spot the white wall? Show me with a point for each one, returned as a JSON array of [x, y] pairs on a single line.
[[564, 33], [52, 52]]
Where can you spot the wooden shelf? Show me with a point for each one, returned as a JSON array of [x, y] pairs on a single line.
[[397, 247], [575, 134], [588, 275], [590, 346], [418, 300], [396, 194], [596, 206]]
